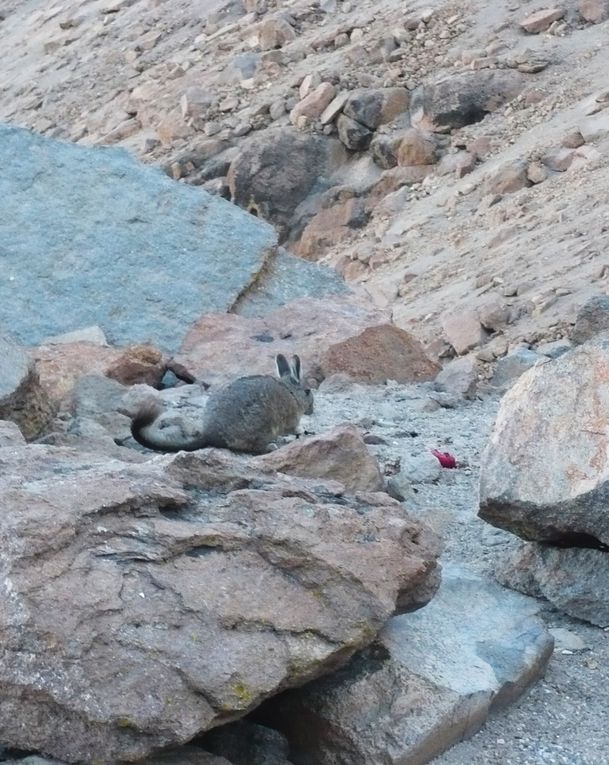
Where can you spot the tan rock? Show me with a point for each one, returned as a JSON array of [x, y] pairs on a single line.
[[339, 455], [594, 11], [330, 226], [540, 21], [138, 364], [463, 330], [544, 473], [537, 172], [307, 327], [507, 178], [274, 33], [334, 108], [106, 562], [313, 105], [378, 354], [417, 148], [23, 399]]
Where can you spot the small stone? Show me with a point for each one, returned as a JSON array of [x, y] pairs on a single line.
[[594, 11], [573, 140], [314, 104], [352, 134], [459, 377], [341, 40], [511, 367], [195, 102], [417, 468], [277, 109], [463, 330], [595, 128], [309, 83], [540, 21], [275, 33], [417, 148], [554, 349], [334, 108], [494, 316], [508, 178], [559, 160], [592, 319], [536, 172]]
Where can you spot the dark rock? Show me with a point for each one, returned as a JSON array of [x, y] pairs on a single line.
[[463, 99], [263, 183], [373, 107], [353, 134], [592, 319]]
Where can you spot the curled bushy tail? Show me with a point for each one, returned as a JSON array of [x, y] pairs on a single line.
[[168, 441]]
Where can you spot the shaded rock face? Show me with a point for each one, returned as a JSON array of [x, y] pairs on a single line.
[[463, 99], [246, 743], [263, 183], [151, 602], [428, 681], [159, 255], [23, 400], [544, 474], [573, 579], [592, 319]]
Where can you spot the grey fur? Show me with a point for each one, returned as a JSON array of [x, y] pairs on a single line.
[[247, 415]]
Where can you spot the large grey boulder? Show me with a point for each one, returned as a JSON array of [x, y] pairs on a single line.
[[428, 681], [545, 472], [89, 236], [146, 603]]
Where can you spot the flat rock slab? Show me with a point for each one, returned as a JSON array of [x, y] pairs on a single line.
[[148, 603], [117, 244], [545, 472], [429, 681]]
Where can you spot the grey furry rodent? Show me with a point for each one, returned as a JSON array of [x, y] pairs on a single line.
[[246, 415]]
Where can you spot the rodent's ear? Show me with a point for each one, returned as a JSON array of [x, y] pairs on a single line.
[[283, 368], [296, 368]]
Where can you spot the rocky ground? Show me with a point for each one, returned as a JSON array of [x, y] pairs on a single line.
[[482, 235]]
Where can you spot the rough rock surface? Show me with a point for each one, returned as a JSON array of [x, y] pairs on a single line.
[[262, 182], [246, 743], [159, 256], [380, 353], [429, 680], [22, 398], [463, 99], [573, 579], [306, 327], [544, 474], [150, 602], [592, 319], [339, 455]]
